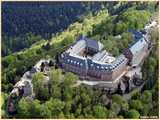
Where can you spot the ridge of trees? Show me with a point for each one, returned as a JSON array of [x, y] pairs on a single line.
[[60, 99]]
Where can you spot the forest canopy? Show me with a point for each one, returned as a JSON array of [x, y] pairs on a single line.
[[60, 98]]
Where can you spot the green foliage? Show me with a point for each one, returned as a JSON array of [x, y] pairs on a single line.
[[135, 19], [45, 19], [146, 109], [119, 106], [155, 103], [142, 103], [115, 107], [60, 98], [152, 63], [118, 99], [12, 44], [55, 79], [55, 106], [45, 111], [67, 40], [23, 109], [35, 109], [70, 79], [136, 95], [55, 76], [154, 35], [120, 27], [37, 80], [4, 97], [146, 97], [136, 104], [100, 111], [67, 108], [29, 57], [39, 87], [133, 114], [150, 67], [150, 6], [30, 109]]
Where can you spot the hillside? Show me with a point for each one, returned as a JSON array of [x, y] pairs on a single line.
[[83, 101], [45, 19]]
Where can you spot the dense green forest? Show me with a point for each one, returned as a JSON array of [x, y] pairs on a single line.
[[61, 99], [24, 23], [45, 19]]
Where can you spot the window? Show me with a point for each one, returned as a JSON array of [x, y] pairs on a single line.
[[113, 66], [91, 65], [102, 68], [110, 67], [106, 68]]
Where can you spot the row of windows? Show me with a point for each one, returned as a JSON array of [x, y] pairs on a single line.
[[74, 62], [74, 69], [92, 73], [98, 66], [108, 67]]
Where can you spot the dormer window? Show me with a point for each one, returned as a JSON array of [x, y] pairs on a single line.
[[110, 67], [102, 67]]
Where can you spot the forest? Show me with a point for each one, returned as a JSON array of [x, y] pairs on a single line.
[[20, 31], [60, 99]]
